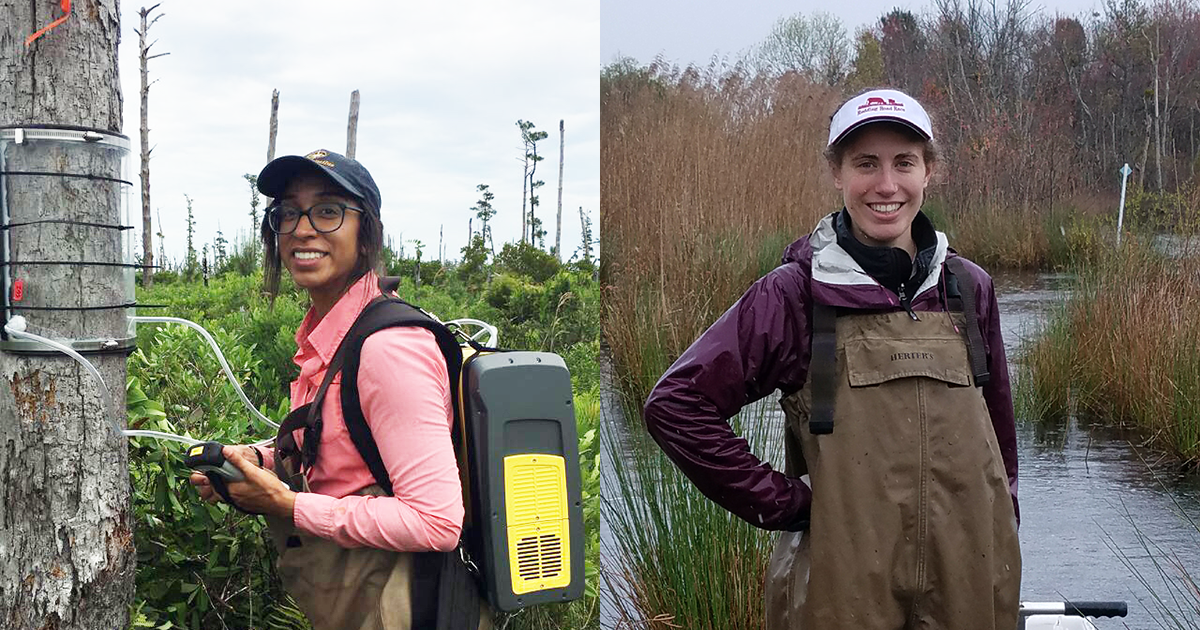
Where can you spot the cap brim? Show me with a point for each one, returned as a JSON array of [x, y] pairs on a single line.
[[878, 119], [274, 178]]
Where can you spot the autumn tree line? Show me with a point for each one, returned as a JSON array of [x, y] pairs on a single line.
[[1032, 108]]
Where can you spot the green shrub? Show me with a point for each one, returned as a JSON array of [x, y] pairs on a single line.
[[527, 260]]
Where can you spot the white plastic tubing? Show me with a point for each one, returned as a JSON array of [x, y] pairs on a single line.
[[16, 328]]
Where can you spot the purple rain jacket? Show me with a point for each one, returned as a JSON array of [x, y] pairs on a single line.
[[761, 344]]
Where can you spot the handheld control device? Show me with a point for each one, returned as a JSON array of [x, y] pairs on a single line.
[[208, 459]]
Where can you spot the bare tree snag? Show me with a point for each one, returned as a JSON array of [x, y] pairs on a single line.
[[66, 539], [144, 57], [558, 222], [274, 129], [352, 126]]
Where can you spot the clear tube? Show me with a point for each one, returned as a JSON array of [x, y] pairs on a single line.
[[159, 435], [220, 357], [16, 328]]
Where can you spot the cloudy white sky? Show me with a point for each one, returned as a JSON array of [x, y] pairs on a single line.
[[442, 86], [696, 31]]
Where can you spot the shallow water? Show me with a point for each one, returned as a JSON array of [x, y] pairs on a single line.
[[1087, 498]]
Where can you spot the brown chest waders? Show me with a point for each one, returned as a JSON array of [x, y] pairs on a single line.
[[912, 524]]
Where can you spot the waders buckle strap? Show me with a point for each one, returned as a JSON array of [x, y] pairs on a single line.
[[975, 348], [822, 368]]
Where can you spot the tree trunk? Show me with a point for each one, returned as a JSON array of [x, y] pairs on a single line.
[[524, 194], [144, 58], [352, 126], [585, 233], [274, 128], [558, 222], [66, 540], [144, 132]]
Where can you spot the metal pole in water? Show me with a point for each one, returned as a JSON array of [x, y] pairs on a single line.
[[1125, 171]]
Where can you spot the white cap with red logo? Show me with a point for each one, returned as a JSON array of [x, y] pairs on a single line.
[[876, 106]]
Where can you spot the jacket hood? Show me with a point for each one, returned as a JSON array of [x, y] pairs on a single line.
[[838, 280]]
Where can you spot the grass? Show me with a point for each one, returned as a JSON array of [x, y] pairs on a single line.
[[1123, 350], [1174, 602], [996, 236], [680, 560], [705, 177]]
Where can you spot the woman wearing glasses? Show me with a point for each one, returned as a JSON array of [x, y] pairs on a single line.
[[344, 550]]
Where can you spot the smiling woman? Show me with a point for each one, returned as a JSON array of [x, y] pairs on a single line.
[[350, 552], [898, 502]]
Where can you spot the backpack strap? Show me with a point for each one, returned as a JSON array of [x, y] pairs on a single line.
[[966, 289], [388, 312], [822, 368]]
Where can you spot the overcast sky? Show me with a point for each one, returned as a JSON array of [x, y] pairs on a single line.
[[442, 86], [694, 31]]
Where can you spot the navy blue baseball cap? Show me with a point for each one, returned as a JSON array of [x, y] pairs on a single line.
[[345, 172]]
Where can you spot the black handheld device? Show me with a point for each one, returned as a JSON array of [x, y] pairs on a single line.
[[209, 459]]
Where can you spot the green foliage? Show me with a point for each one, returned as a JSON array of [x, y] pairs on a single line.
[[484, 212], [867, 69], [191, 265], [473, 268], [527, 260], [715, 580], [529, 140]]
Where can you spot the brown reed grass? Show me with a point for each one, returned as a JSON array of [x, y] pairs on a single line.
[[1126, 350], [705, 177]]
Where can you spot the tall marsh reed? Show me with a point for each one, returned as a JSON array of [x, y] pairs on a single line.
[[1125, 349], [680, 560], [705, 177]]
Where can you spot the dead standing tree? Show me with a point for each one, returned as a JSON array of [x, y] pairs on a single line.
[[274, 128], [144, 57], [352, 126], [67, 558], [558, 223]]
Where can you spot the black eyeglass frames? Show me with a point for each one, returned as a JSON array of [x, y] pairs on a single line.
[[324, 217]]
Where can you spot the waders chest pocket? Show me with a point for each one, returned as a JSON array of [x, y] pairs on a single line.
[[873, 361]]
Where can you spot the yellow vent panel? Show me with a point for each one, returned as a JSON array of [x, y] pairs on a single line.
[[538, 530], [535, 488], [539, 559]]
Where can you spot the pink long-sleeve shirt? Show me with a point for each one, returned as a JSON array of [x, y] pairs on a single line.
[[405, 395]]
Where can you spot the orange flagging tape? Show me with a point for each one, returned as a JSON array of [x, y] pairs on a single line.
[[66, 7]]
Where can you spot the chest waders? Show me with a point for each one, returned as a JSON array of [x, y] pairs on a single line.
[[912, 524], [365, 588]]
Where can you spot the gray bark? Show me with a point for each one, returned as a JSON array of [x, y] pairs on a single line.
[[352, 126], [558, 222], [66, 539], [274, 130], [144, 58]]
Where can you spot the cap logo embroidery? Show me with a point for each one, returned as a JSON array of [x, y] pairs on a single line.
[[316, 155], [875, 103]]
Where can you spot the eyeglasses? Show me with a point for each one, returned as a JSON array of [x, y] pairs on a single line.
[[324, 217]]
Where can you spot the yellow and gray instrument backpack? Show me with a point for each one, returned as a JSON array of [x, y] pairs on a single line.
[[517, 450]]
